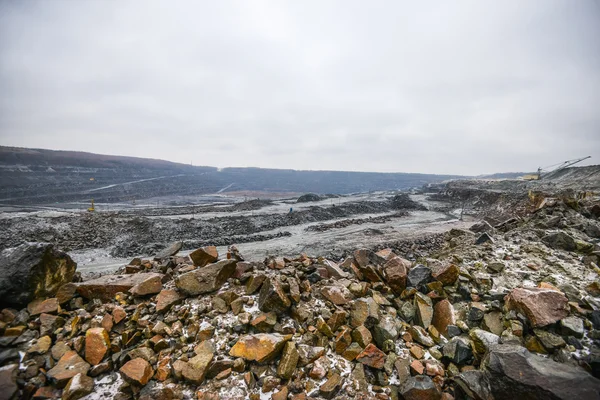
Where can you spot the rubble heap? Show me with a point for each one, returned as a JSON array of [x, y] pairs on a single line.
[[506, 310]]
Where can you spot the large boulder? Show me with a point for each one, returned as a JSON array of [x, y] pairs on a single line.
[[541, 306], [207, 279], [106, 287], [32, 271], [515, 373]]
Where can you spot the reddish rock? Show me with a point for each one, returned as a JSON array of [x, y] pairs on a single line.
[[372, 357], [106, 287], [69, 365], [447, 274], [48, 306], [541, 306], [396, 270], [204, 256], [443, 315], [97, 343], [79, 386], [207, 279], [152, 285], [166, 299], [260, 347], [118, 314], [66, 292], [107, 322], [137, 371], [338, 295]]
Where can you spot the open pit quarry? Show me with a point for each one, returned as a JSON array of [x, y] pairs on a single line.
[[483, 290]]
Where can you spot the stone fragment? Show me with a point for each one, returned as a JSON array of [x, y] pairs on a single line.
[[152, 285], [492, 321], [419, 275], [541, 306], [169, 251], [560, 241], [483, 340], [362, 336], [137, 371], [69, 365], [385, 330], [66, 292], [78, 386], [443, 315], [204, 256], [352, 351], [288, 362], [33, 271], [446, 274], [207, 279], [106, 287], [342, 340], [196, 368], [549, 340], [308, 354], [484, 238], [420, 335], [396, 273], [41, 346], [260, 347], [331, 386], [572, 326], [254, 283], [97, 344], [420, 387], [338, 295], [457, 351], [8, 381], [47, 306], [372, 357], [272, 297], [424, 309], [516, 373]]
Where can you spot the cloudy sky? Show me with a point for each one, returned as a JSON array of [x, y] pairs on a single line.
[[463, 87]]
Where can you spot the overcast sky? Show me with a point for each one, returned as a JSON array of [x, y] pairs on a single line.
[[463, 87]]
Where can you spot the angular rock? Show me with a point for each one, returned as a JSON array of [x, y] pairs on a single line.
[[331, 387], [207, 279], [484, 238], [572, 326], [137, 371], [338, 295], [66, 292], [272, 297], [419, 275], [475, 385], [362, 336], [541, 306], [549, 340], [457, 351], [254, 283], [79, 386], [420, 387], [169, 251], [69, 365], [516, 373], [385, 330], [204, 256], [37, 307], [166, 299], [196, 368], [396, 273], [41, 346], [260, 347], [372, 357], [447, 274], [288, 362], [443, 315], [560, 241], [97, 344], [483, 340], [106, 287], [32, 271], [152, 285], [8, 381], [424, 309]]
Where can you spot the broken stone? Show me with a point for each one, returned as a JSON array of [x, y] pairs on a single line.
[[272, 297], [97, 344], [288, 362], [420, 387], [443, 316], [196, 368], [166, 299], [337, 295], [541, 306], [137, 371], [457, 351], [446, 274], [483, 340], [372, 357], [331, 387], [69, 365], [47, 306], [207, 279], [572, 326], [396, 273], [106, 287], [260, 347], [424, 309], [152, 285], [204, 256], [33, 271], [419, 275], [79, 386]]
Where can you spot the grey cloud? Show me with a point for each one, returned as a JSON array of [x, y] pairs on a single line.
[[464, 87]]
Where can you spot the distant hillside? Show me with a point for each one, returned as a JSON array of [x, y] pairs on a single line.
[[36, 176]]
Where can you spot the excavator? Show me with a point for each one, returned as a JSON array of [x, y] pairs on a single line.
[[92, 208], [541, 172]]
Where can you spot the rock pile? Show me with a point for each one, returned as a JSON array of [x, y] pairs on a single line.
[[512, 317]]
